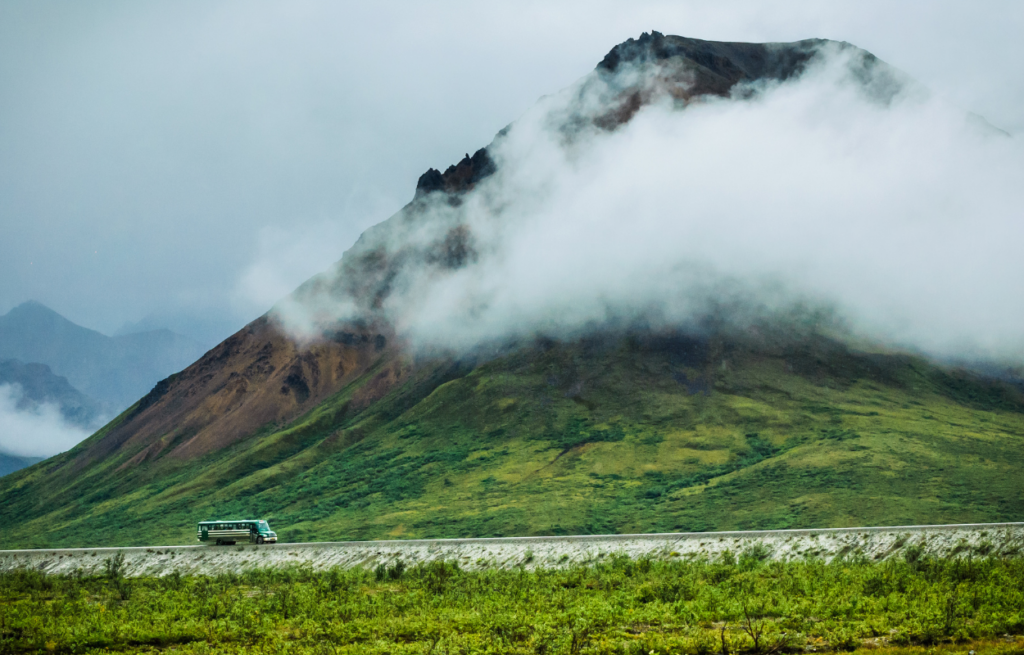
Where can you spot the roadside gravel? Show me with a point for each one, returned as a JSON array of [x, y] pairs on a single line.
[[977, 540]]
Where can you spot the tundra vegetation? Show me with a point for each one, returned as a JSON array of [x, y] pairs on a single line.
[[732, 605], [603, 435]]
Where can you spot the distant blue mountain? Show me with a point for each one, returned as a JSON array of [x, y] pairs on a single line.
[[38, 384], [12, 463], [207, 328], [116, 371]]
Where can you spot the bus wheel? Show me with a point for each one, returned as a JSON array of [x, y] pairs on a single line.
[[259, 540], [218, 542]]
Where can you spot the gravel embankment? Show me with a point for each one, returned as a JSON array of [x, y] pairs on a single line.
[[978, 540]]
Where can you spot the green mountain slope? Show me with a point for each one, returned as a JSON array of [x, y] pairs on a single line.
[[638, 433]]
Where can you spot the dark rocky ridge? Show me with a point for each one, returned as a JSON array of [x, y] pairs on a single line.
[[458, 178], [720, 65], [692, 68], [689, 69]]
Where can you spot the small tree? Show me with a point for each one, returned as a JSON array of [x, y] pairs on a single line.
[[114, 568]]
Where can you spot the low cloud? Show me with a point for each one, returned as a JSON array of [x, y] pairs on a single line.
[[137, 170], [38, 430], [284, 258], [898, 216]]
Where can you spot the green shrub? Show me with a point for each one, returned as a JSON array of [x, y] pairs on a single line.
[[395, 572], [436, 576], [616, 606]]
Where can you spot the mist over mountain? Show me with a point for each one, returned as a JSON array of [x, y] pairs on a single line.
[[684, 180], [705, 287], [38, 385], [41, 414], [115, 371], [41, 411]]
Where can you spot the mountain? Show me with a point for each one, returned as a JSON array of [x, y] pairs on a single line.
[[200, 326], [29, 390], [333, 417], [115, 371]]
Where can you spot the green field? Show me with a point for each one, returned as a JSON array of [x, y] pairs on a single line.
[[603, 435], [738, 604]]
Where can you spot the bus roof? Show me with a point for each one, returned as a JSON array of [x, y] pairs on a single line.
[[234, 521]]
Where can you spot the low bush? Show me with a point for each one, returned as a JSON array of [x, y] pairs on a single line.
[[748, 604]]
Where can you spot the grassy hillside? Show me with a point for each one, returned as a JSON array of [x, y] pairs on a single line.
[[612, 434]]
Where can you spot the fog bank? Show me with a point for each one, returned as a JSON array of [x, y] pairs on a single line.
[[35, 431], [900, 216]]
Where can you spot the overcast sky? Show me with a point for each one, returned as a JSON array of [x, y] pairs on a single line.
[[192, 162]]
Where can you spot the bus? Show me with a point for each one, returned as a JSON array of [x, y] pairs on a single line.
[[255, 531]]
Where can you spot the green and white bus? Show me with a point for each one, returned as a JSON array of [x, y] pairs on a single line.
[[255, 531]]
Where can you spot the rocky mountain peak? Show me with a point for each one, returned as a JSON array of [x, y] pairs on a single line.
[[458, 178], [33, 312], [729, 60], [682, 67]]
